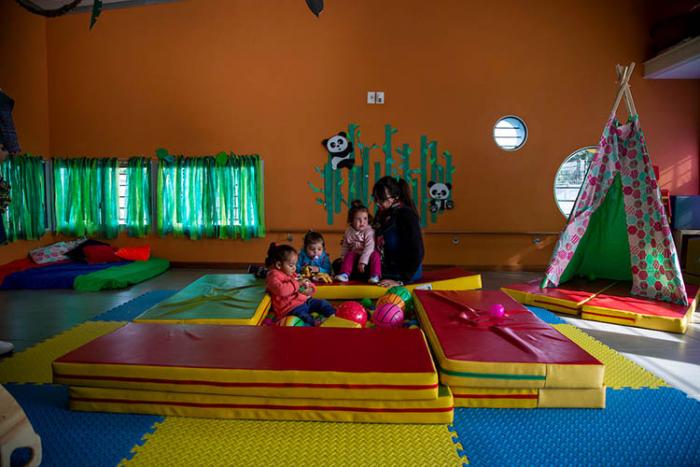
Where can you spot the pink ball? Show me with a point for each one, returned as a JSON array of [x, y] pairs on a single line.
[[352, 311], [497, 310], [388, 315]]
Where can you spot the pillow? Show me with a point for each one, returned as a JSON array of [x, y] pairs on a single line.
[[96, 254], [77, 254], [135, 253], [50, 253]]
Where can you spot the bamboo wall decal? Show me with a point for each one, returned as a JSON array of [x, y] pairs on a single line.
[[331, 195]]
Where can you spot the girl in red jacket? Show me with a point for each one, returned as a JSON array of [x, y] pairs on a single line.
[[289, 295]]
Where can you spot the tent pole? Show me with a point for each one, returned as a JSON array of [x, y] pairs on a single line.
[[621, 73]]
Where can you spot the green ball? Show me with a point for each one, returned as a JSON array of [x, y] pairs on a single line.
[[366, 302], [402, 292]]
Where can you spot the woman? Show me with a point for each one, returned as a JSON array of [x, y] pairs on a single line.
[[398, 234]]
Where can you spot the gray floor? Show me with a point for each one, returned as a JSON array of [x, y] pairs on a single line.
[[28, 317]]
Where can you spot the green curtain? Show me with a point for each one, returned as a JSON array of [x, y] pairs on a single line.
[[87, 196], [211, 197], [138, 196], [25, 217]]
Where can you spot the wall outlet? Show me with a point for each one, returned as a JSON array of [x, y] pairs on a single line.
[[371, 97], [380, 97]]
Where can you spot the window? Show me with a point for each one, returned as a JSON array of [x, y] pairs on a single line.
[[123, 189], [510, 133], [570, 177]]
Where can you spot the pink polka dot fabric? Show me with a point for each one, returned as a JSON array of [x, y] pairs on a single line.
[[654, 261]]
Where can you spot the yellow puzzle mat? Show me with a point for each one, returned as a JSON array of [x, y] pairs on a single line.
[[531, 398], [202, 441], [439, 410], [487, 374]]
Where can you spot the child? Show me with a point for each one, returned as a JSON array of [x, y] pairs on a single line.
[[358, 246], [289, 295], [314, 254]]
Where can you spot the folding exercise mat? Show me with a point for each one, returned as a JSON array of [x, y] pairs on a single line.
[[270, 361]]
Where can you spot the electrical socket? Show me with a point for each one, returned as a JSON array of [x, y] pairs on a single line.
[[371, 97], [380, 97]]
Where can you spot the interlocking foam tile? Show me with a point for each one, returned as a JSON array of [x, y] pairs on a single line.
[[638, 427], [79, 438], [620, 372], [34, 364], [133, 308], [546, 315], [198, 441]]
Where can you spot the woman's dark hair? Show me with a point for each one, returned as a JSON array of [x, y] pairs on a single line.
[[391, 187], [278, 253], [312, 237], [355, 207]]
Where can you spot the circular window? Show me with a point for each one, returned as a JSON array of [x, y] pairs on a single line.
[[510, 133], [570, 177]]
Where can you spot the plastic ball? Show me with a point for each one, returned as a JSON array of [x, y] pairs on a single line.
[[291, 320], [388, 315], [402, 292], [366, 302], [497, 310], [392, 299], [352, 311]]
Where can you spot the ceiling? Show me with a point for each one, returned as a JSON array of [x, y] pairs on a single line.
[[87, 4]]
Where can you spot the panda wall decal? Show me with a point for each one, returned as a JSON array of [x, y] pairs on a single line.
[[439, 196], [341, 151]]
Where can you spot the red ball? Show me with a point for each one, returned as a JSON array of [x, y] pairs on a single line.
[[352, 311]]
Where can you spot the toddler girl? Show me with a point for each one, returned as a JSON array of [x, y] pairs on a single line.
[[289, 295], [358, 246], [314, 254]]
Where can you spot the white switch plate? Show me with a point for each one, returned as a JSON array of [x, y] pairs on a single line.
[[371, 97], [380, 97]]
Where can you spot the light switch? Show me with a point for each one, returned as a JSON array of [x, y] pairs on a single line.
[[371, 97]]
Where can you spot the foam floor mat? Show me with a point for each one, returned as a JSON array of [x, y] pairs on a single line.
[[131, 309], [638, 427], [34, 364]]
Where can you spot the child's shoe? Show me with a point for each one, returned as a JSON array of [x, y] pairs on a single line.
[[374, 280], [342, 277]]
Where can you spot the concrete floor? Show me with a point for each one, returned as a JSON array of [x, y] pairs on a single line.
[[28, 317]]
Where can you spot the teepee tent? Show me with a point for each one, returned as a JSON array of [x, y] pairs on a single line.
[[618, 228]]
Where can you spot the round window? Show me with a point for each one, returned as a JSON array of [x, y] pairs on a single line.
[[570, 177], [510, 133]]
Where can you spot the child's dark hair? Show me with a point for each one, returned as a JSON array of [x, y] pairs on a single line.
[[390, 187], [355, 207], [278, 253], [312, 237]]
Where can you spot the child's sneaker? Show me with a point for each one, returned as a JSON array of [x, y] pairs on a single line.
[[374, 280], [342, 277]]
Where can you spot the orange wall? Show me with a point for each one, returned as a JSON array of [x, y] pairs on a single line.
[[270, 78], [24, 77]]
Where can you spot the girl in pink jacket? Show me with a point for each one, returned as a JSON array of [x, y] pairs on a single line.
[[289, 295], [357, 247]]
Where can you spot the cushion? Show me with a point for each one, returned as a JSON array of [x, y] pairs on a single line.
[[50, 253], [77, 254], [135, 253], [95, 254]]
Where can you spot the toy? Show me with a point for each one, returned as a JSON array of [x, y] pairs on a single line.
[[497, 310], [402, 292], [291, 320], [316, 276], [367, 303], [392, 299], [341, 151], [388, 315], [352, 311], [439, 194]]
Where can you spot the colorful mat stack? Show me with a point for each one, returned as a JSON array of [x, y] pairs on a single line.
[[251, 372], [509, 361]]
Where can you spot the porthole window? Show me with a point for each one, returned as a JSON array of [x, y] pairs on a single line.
[[570, 177], [510, 133]]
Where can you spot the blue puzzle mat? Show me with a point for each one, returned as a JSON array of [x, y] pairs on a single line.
[[78, 438], [637, 427], [130, 310], [546, 315]]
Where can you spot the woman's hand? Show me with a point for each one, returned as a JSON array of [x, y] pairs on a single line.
[[388, 283], [361, 267]]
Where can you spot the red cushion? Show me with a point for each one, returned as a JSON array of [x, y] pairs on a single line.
[[135, 253], [95, 254]]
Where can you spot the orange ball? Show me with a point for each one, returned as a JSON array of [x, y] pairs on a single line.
[[392, 299]]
